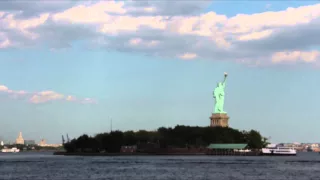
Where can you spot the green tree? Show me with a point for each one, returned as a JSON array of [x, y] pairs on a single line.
[[179, 136], [255, 140]]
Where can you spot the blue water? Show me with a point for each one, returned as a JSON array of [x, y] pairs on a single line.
[[45, 166]]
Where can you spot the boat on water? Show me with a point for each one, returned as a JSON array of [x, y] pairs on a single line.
[[274, 150], [12, 150]]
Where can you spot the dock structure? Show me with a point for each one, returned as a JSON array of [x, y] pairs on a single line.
[[230, 150]]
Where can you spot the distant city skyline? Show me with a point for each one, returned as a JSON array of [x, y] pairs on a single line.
[[66, 67], [21, 140]]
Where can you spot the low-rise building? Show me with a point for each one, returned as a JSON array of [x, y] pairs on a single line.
[[128, 149], [29, 142], [50, 145], [42, 142]]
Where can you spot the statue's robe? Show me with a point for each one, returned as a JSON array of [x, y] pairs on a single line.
[[219, 96]]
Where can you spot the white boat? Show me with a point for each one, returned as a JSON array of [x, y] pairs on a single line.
[[12, 150], [242, 150], [278, 151]]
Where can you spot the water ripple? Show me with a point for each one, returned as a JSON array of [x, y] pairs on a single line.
[[24, 166]]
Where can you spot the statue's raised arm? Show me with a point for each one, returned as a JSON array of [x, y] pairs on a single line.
[[225, 79]]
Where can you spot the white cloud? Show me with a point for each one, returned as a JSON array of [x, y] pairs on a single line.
[[95, 13], [135, 41], [23, 25], [4, 44], [71, 98], [162, 29], [255, 35], [141, 42], [43, 96], [88, 101], [149, 9], [3, 88], [118, 24], [294, 56], [188, 56]]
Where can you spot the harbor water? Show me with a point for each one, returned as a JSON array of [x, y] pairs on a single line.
[[45, 166]]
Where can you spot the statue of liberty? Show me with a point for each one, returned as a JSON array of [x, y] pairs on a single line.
[[218, 94]]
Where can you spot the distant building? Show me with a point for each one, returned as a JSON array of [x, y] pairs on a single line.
[[29, 142], [2, 144], [314, 145], [20, 139], [42, 142], [128, 149], [147, 147]]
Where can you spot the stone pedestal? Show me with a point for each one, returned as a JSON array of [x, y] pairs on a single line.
[[218, 119]]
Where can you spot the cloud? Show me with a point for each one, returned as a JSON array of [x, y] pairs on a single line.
[[165, 8], [71, 98], [188, 56], [165, 28], [94, 13], [3, 88], [88, 101], [43, 96], [28, 9], [294, 56]]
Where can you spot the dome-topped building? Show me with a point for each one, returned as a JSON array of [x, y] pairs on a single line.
[[20, 139]]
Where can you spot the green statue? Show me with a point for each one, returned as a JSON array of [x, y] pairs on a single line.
[[218, 94]]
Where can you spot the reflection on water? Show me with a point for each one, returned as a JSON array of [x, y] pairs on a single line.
[[36, 166]]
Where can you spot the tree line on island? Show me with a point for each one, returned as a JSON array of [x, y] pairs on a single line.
[[177, 137]]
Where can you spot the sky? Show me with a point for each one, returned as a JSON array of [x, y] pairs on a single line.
[[69, 67]]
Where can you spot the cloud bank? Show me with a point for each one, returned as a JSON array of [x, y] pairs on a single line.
[[167, 29], [43, 96]]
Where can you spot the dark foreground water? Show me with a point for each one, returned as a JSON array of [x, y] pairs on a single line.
[[35, 166]]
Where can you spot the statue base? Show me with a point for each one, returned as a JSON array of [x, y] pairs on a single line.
[[219, 119]]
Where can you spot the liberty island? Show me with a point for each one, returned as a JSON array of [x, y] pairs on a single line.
[[179, 140]]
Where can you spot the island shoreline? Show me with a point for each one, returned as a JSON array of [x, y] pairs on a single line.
[[127, 154], [153, 154]]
